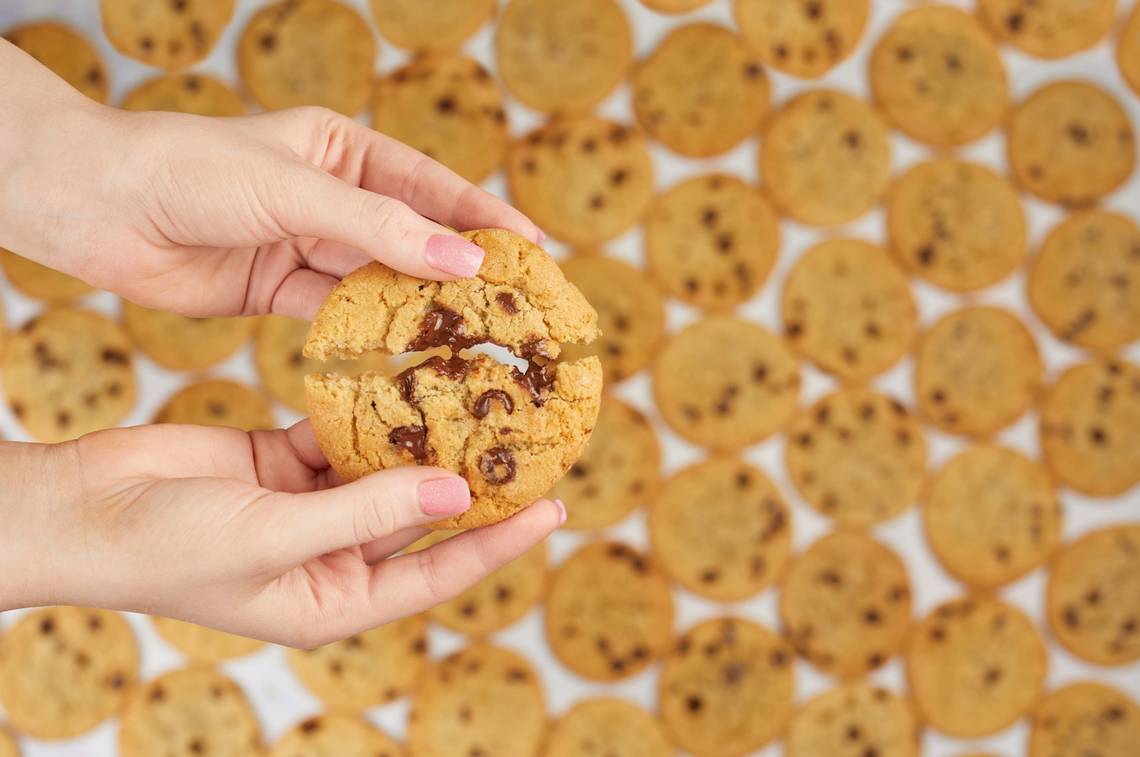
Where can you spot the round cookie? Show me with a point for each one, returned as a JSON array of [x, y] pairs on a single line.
[[203, 644], [197, 708], [991, 515], [711, 241], [1084, 284], [67, 372], [482, 700], [938, 77], [700, 92], [370, 668], [631, 315], [1049, 28], [857, 456], [674, 6], [619, 471], [170, 35], [335, 734], [307, 52], [845, 604], [609, 612], [1084, 719], [804, 39], [612, 727], [1128, 50], [847, 307], [1092, 599], [218, 402], [854, 720], [8, 745], [64, 670], [582, 179], [199, 94], [975, 665], [977, 370], [421, 25], [726, 689], [449, 108], [825, 158], [956, 225], [726, 383], [39, 281], [721, 529], [181, 343], [1071, 143], [562, 56], [66, 52]]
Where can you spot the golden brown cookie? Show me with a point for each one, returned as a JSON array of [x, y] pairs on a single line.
[[701, 91], [612, 727], [825, 158], [335, 734], [41, 282], [181, 343], [674, 6], [854, 720], [1049, 28], [201, 643], [430, 24], [1070, 142], [1128, 50], [711, 241], [66, 52], [171, 35], [218, 402], [8, 745], [804, 38], [199, 94], [1085, 718]]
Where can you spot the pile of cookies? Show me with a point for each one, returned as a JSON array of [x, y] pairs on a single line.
[[972, 370]]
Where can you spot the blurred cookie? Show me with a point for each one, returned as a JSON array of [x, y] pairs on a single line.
[[8, 745], [805, 39], [170, 35], [612, 727], [218, 402], [700, 92], [1085, 718], [825, 158], [181, 343], [854, 720], [1128, 50], [39, 281], [1049, 28], [711, 241], [66, 52], [336, 735], [721, 529], [201, 643], [674, 6], [420, 25], [199, 94]]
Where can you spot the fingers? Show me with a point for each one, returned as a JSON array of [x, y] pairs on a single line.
[[384, 548]]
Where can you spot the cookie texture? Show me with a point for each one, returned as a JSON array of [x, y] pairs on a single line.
[[854, 720], [66, 52], [857, 456], [675, 6], [612, 727], [182, 343], [432, 25], [583, 179], [825, 158], [203, 644], [1070, 142], [1085, 718], [804, 39], [701, 91], [711, 241], [218, 402], [1049, 28], [974, 665], [1128, 50], [956, 225], [721, 529], [41, 282], [199, 94], [609, 612], [726, 689], [335, 734], [726, 383], [64, 670], [170, 35], [1092, 599]]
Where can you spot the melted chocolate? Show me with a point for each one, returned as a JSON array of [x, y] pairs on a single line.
[[498, 465], [454, 367], [483, 404], [537, 380], [507, 301], [413, 439], [441, 327]]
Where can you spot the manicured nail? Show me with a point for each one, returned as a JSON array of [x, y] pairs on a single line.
[[454, 255], [443, 496], [540, 236], [561, 511]]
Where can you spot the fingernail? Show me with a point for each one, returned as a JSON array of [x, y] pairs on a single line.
[[540, 237], [561, 511], [443, 496], [454, 255]]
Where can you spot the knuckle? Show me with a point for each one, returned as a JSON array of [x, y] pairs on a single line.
[[432, 573], [373, 520], [392, 219]]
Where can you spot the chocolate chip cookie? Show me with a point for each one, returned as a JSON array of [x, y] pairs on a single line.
[[171, 35], [1049, 28], [218, 402], [199, 94], [66, 52], [203, 644], [804, 38], [855, 720], [1128, 50], [335, 734], [181, 343], [1085, 718], [41, 282], [612, 727], [420, 25]]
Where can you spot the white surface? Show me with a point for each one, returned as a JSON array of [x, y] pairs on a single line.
[[281, 701]]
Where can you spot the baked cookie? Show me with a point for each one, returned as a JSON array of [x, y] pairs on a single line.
[[170, 35], [481, 700], [674, 6], [1085, 718], [847, 307], [430, 24], [307, 52], [335, 734], [449, 108], [845, 604], [938, 77], [1092, 599], [8, 745], [975, 665], [825, 158], [181, 343], [977, 370], [726, 383], [619, 471], [203, 644], [370, 668], [956, 225], [854, 720], [1090, 427], [991, 515], [726, 689], [631, 314], [66, 52], [1070, 142], [701, 91], [857, 456], [64, 670], [1084, 284], [609, 612], [67, 372], [721, 529], [711, 241], [1049, 28], [196, 708], [612, 727], [802, 38], [199, 94], [218, 402], [39, 281], [1128, 50], [582, 179]]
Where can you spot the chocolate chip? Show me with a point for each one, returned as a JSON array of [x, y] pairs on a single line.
[[618, 176], [597, 202], [94, 76], [146, 44], [441, 327], [1078, 133], [497, 465], [311, 725], [852, 139], [47, 626], [114, 357], [413, 438], [267, 41], [1015, 21], [904, 54], [487, 398], [694, 703], [445, 104], [710, 576], [537, 380]]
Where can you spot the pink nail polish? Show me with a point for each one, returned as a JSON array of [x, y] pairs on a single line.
[[561, 511], [443, 496], [454, 255]]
